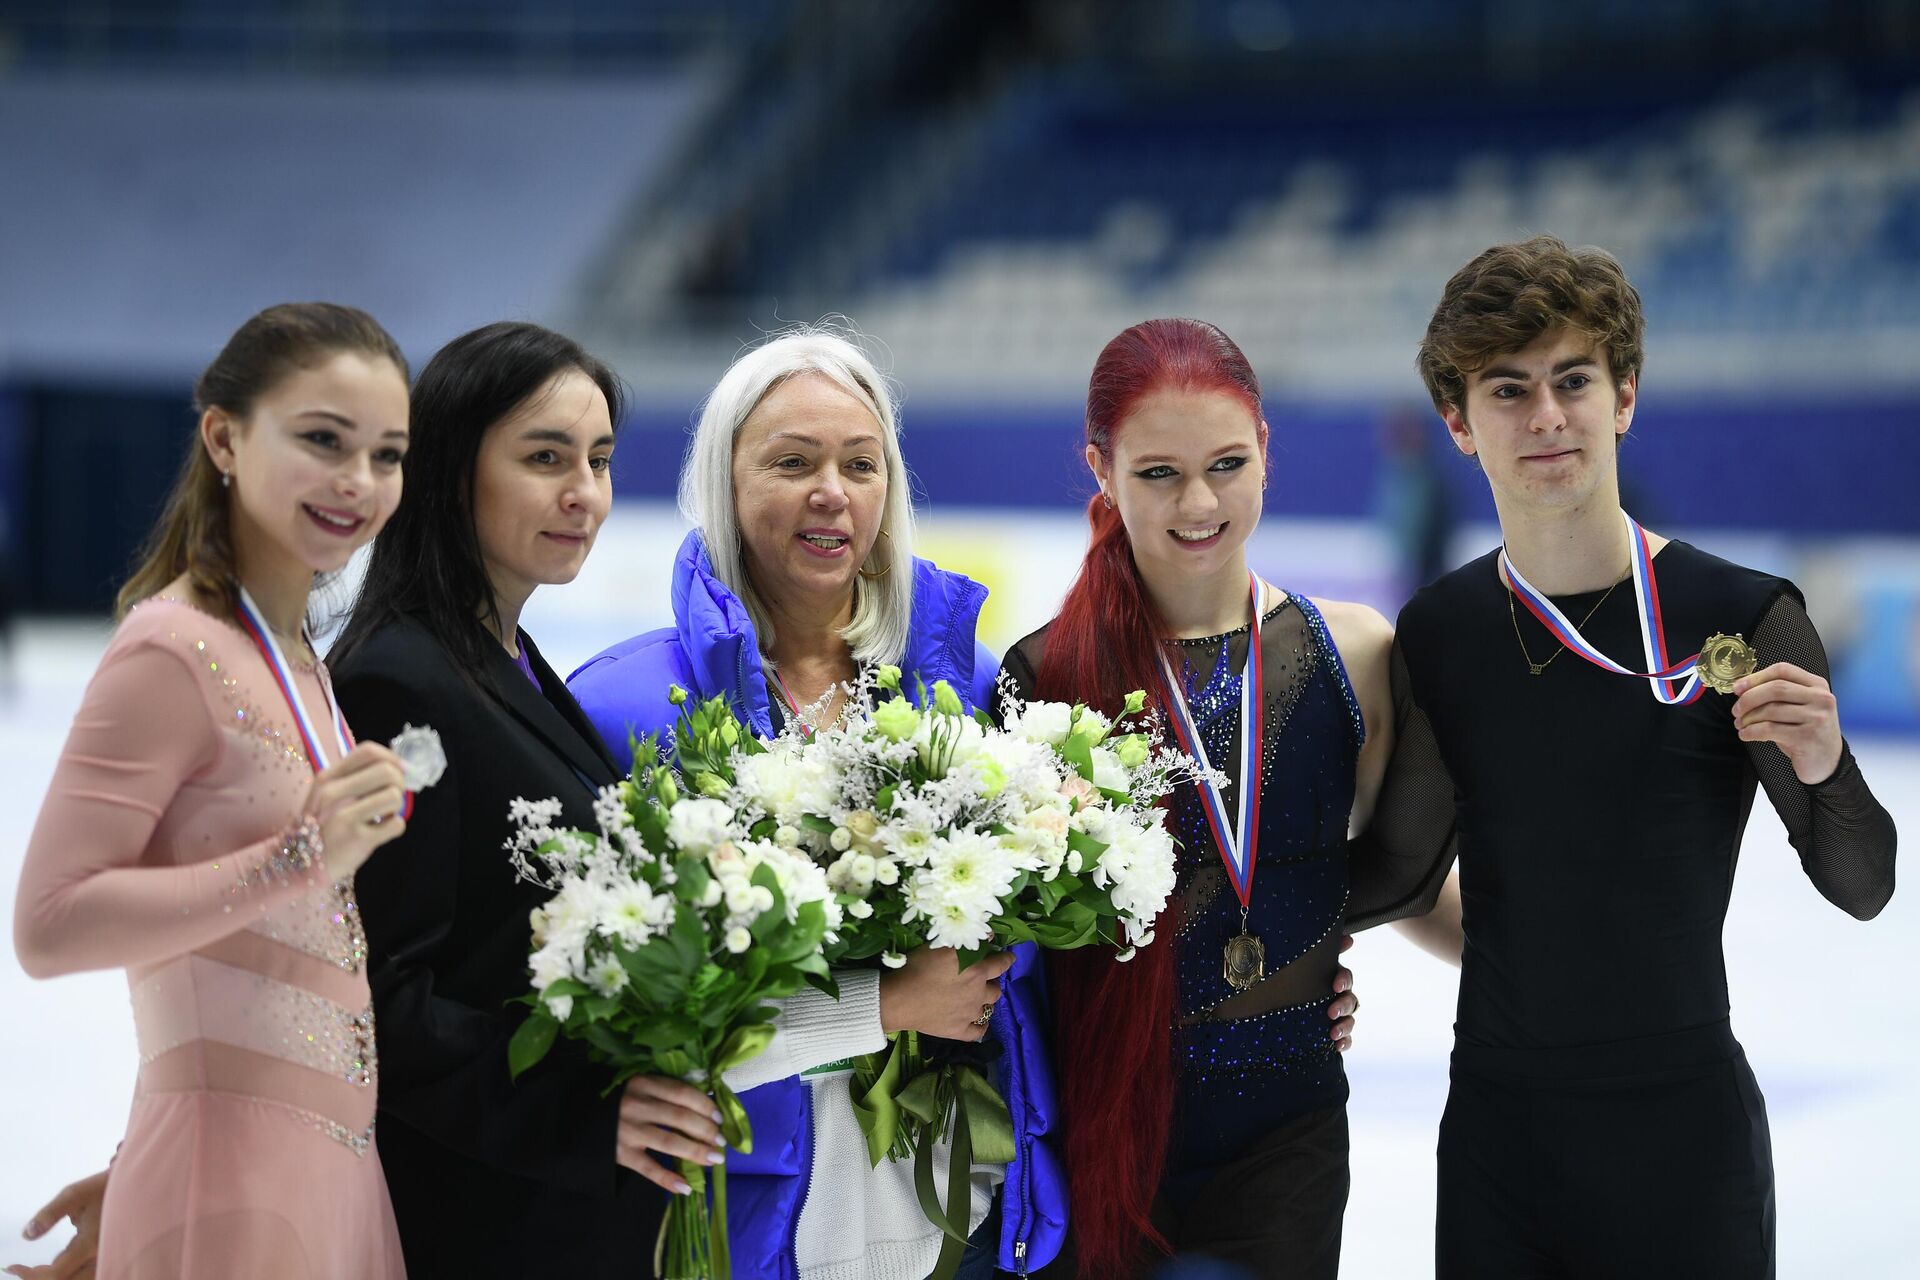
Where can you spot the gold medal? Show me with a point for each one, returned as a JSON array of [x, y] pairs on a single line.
[[1725, 659], [1245, 961]]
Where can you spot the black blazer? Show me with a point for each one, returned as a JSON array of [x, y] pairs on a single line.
[[489, 1177]]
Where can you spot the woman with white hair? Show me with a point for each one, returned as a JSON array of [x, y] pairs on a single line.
[[799, 572]]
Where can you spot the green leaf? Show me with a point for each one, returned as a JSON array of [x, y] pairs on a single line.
[[688, 938], [669, 1031], [530, 1042], [656, 972], [677, 1063], [693, 879], [1077, 753]]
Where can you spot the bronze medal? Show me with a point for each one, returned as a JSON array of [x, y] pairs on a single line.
[[1245, 961], [1725, 659]]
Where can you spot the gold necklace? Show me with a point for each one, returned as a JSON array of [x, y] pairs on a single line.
[[1535, 668]]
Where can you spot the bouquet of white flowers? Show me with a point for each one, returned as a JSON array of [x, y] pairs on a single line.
[[671, 933], [935, 828]]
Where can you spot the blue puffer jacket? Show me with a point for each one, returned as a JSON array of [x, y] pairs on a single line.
[[710, 650]]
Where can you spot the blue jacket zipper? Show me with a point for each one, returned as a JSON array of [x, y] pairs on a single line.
[[1023, 1150], [806, 1188]]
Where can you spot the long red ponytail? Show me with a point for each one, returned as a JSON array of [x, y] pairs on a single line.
[[1113, 1022]]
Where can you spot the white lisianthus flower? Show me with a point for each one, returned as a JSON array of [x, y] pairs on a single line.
[[607, 975], [738, 940], [860, 909], [711, 895], [787, 783], [739, 897], [1108, 773], [892, 959], [697, 825], [1046, 722], [1091, 725], [1076, 788], [561, 1007]]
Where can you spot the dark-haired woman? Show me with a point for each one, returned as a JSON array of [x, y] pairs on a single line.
[[509, 484], [1204, 1098], [207, 816]]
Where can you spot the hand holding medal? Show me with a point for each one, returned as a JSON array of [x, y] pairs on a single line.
[[1795, 710]]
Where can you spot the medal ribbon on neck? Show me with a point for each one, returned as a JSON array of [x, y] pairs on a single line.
[[1673, 683], [1238, 842], [254, 623]]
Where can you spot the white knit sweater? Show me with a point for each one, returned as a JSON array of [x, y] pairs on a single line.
[[856, 1222]]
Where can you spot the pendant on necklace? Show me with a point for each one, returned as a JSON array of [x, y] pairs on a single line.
[[1535, 668], [1244, 961]]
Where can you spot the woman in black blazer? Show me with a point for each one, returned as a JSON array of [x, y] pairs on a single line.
[[507, 484]]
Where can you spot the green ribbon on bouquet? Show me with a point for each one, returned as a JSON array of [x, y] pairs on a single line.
[[906, 1104]]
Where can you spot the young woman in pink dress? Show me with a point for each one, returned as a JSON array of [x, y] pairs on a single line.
[[207, 815]]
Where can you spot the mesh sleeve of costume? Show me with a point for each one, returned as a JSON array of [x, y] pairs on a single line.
[[1397, 865], [1845, 837]]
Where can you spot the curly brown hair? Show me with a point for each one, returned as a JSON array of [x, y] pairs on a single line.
[[1513, 293]]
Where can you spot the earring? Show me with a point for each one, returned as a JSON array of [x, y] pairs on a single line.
[[226, 481], [869, 576], [1107, 498]]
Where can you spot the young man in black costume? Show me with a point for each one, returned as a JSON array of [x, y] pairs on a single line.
[[1602, 1119]]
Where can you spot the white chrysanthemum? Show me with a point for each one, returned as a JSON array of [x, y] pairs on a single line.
[[907, 840], [1137, 869], [607, 976], [573, 912], [955, 924], [634, 913], [549, 965], [697, 824]]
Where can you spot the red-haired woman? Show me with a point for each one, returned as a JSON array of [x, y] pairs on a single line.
[[1203, 1092]]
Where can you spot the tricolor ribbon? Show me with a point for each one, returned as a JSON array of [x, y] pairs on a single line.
[[1674, 684], [1238, 841], [253, 622]]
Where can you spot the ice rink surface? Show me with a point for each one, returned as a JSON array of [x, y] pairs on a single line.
[[1824, 1005]]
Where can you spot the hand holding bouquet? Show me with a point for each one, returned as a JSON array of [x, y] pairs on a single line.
[[936, 828], [671, 933]]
